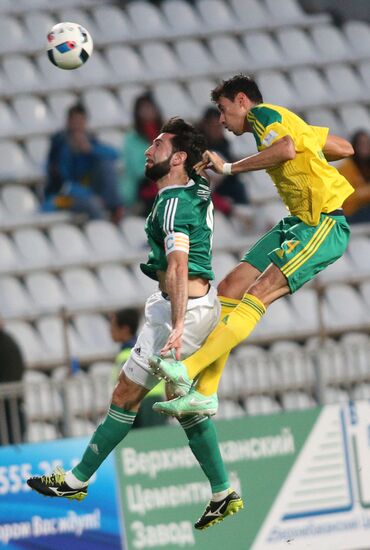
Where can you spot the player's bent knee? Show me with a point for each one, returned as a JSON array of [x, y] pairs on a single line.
[[126, 394]]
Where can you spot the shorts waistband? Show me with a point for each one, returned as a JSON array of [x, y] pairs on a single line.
[[166, 296], [337, 212]]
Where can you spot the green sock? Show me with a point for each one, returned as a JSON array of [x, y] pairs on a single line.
[[108, 434], [203, 441]]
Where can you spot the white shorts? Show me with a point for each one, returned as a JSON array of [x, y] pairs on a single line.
[[201, 317]]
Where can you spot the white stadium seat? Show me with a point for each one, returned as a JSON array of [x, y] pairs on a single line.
[[15, 65], [38, 24], [182, 18], [112, 23], [12, 35], [9, 123], [331, 43], [94, 332], [346, 85], [127, 64], [70, 243], [84, 289], [54, 78], [343, 307], [297, 400], [46, 291], [147, 20], [358, 35], [97, 72], [325, 117], [222, 264], [217, 15], [14, 298], [276, 89], [359, 253], [127, 95], [18, 200], [33, 115], [53, 337], [229, 54], [14, 164], [121, 285], [59, 103], [200, 89], [297, 46], [251, 14], [261, 404], [189, 49], [173, 100], [354, 117], [35, 248], [29, 341], [105, 240], [166, 63], [9, 258], [112, 115], [264, 50], [312, 88]]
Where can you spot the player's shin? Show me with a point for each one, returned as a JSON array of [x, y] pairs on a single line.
[[203, 442], [209, 378], [106, 437]]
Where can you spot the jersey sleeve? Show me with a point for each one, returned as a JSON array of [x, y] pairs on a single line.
[[176, 218], [267, 126], [321, 133]]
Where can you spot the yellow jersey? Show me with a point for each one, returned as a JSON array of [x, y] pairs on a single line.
[[308, 185]]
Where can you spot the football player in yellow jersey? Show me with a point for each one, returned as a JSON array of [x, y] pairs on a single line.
[[313, 235]]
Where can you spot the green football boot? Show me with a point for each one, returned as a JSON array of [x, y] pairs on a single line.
[[171, 371], [191, 403]]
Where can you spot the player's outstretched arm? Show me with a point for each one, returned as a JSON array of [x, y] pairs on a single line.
[[280, 151], [337, 148]]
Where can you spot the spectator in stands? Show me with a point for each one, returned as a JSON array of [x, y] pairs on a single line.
[[82, 174], [12, 369], [137, 191], [123, 328], [357, 171]]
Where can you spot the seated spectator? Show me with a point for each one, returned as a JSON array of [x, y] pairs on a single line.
[[147, 122], [12, 369], [81, 172], [123, 328], [229, 193], [357, 171]]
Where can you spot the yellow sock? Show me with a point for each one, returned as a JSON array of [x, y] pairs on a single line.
[[209, 378], [232, 330]]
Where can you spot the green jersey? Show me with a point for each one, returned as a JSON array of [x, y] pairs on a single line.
[[181, 219]]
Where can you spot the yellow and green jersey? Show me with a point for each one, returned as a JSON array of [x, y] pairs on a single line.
[[308, 184]]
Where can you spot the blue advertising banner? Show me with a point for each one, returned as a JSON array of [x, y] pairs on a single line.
[[29, 520]]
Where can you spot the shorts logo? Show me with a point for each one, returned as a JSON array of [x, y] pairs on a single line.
[[137, 351], [288, 247]]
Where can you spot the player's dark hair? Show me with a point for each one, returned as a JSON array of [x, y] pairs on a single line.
[[77, 109], [238, 83], [129, 317], [186, 138]]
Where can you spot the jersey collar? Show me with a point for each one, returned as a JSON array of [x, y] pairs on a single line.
[[189, 184]]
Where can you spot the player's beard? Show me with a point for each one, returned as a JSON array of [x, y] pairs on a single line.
[[157, 171]]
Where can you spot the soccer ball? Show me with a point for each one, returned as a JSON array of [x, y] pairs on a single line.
[[69, 45]]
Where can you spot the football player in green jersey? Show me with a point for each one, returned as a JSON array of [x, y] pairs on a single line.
[[180, 315]]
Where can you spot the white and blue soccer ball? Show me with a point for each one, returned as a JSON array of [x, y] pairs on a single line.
[[69, 45]]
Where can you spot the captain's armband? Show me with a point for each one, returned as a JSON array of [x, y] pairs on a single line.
[[176, 241]]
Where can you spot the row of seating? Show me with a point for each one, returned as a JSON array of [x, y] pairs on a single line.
[[26, 27]]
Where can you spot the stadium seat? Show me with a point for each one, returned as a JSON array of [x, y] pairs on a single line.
[[70, 243], [364, 289], [312, 88], [53, 78], [229, 53], [280, 319], [189, 49], [41, 431], [224, 236], [331, 44], [325, 117], [33, 115], [327, 356], [105, 240], [358, 35], [149, 285], [260, 374], [19, 200], [59, 103], [34, 247], [79, 396], [306, 310], [51, 331], [260, 187], [361, 391], [42, 401], [73, 13], [264, 50], [182, 18], [112, 115], [134, 233], [217, 15], [14, 298], [335, 395], [127, 64], [293, 401], [9, 126], [261, 404], [229, 409], [12, 35], [84, 289], [97, 72], [9, 258], [296, 46], [121, 285], [345, 84], [354, 117], [14, 165], [277, 89], [15, 65], [364, 70], [199, 90], [343, 308], [359, 253], [147, 20], [112, 24], [222, 264], [173, 100], [356, 350], [38, 25], [46, 292], [81, 427], [112, 137], [127, 95], [166, 64], [251, 14], [94, 332], [29, 341], [37, 150], [342, 269], [294, 365]]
